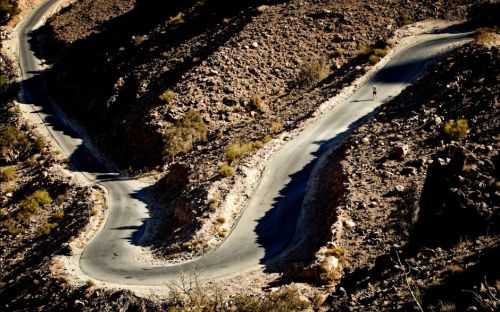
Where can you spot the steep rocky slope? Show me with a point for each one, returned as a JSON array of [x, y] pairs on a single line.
[[413, 195]]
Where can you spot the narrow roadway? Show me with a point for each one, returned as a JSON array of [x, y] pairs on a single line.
[[269, 221]]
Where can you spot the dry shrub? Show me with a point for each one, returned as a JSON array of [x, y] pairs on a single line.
[[487, 37], [287, 299], [456, 129], [313, 71], [168, 96], [177, 19], [238, 150], [373, 59], [276, 127], [46, 228], [11, 226], [7, 174], [33, 202], [226, 170], [184, 134]]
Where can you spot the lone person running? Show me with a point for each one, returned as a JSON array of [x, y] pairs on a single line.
[[374, 92]]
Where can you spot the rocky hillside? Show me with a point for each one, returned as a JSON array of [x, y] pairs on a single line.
[[245, 67], [192, 88], [413, 195]]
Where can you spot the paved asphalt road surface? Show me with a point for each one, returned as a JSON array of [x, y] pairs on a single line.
[[269, 221]]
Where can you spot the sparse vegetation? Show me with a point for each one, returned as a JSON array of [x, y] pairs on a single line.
[[237, 150], [168, 96], [284, 300], [47, 228], [189, 294], [456, 129], [373, 59], [11, 226], [7, 174], [177, 19], [374, 54], [33, 202], [380, 52], [226, 170], [13, 144], [487, 37], [58, 214], [4, 80], [184, 134], [313, 72]]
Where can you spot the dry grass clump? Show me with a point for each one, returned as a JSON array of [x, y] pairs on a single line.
[[14, 144], [236, 151], [456, 128], [168, 96], [177, 19], [313, 72], [226, 170], [7, 174], [186, 132], [487, 37], [374, 54], [33, 202], [47, 228], [287, 299]]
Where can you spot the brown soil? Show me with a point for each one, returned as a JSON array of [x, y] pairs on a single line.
[[424, 204]]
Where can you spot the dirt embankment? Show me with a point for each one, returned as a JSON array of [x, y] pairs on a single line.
[[413, 196]]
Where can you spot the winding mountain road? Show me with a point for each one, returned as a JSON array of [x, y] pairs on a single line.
[[268, 223]]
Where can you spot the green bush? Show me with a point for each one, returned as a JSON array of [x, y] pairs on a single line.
[[184, 134], [456, 129], [226, 170]]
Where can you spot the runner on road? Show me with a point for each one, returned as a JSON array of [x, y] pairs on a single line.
[[374, 92]]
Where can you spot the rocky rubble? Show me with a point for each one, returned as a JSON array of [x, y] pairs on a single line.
[[421, 194]]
